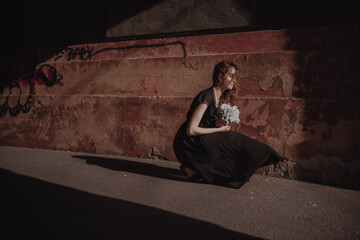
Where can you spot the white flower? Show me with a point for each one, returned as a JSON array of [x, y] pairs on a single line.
[[229, 114]]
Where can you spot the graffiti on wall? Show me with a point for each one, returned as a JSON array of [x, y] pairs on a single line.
[[86, 53], [18, 96]]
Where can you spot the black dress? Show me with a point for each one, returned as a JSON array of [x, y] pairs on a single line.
[[229, 158]]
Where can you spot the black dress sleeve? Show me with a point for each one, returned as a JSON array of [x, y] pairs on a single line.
[[207, 97], [203, 97]]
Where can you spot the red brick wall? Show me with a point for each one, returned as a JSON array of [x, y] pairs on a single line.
[[298, 92]]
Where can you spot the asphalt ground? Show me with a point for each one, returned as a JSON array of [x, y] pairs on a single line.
[[70, 195]]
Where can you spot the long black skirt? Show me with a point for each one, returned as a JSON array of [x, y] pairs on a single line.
[[224, 156]]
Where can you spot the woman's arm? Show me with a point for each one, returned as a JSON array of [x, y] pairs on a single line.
[[193, 127]]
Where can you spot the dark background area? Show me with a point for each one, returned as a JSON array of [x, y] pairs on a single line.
[[32, 24]]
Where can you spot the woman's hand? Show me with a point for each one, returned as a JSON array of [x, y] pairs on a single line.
[[225, 128], [193, 127]]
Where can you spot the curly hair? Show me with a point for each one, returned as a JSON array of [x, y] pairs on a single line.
[[222, 68]]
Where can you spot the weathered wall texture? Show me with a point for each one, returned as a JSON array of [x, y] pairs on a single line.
[[298, 92], [173, 16]]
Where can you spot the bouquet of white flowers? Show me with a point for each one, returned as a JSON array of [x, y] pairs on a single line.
[[228, 114]]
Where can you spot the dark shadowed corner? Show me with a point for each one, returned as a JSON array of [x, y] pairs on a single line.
[[327, 80]]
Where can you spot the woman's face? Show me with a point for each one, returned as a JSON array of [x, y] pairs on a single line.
[[229, 79]]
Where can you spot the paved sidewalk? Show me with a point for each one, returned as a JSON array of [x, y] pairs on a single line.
[[67, 195]]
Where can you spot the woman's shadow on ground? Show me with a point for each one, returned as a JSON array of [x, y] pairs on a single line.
[[118, 164], [148, 169]]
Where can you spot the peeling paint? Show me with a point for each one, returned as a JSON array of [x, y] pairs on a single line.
[[86, 144]]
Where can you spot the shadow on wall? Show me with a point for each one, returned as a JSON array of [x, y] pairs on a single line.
[[327, 79], [34, 209], [63, 24], [34, 24], [277, 14]]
